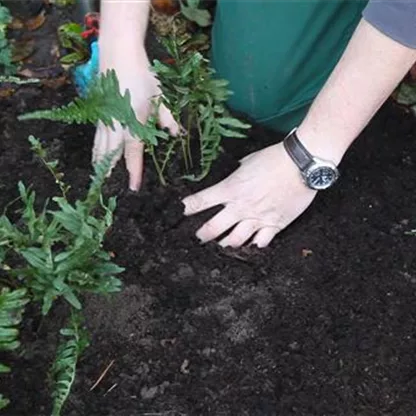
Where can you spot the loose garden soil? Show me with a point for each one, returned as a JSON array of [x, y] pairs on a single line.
[[321, 323]]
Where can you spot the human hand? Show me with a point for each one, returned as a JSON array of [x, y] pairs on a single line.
[[133, 74], [262, 197]]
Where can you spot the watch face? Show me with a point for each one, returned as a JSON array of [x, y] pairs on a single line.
[[322, 177]]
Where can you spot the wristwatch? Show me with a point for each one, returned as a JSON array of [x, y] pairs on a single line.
[[318, 174]]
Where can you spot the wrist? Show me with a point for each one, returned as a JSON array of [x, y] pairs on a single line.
[[324, 143], [122, 55], [317, 173]]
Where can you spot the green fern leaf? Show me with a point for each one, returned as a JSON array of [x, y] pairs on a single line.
[[11, 308], [104, 103], [101, 171], [212, 130], [64, 367]]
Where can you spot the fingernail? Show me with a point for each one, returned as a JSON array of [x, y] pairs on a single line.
[[133, 186], [185, 207], [200, 240], [134, 182]]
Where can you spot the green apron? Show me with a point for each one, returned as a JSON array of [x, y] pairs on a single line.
[[277, 54]]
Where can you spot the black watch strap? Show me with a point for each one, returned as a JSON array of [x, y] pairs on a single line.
[[297, 151]]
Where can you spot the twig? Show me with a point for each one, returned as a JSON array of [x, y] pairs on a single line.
[[111, 389], [102, 375]]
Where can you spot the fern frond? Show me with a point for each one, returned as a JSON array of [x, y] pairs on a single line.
[[213, 126], [6, 64], [5, 18], [12, 305], [11, 309], [104, 102], [101, 171], [64, 367]]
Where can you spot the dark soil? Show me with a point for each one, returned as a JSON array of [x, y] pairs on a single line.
[[321, 323]]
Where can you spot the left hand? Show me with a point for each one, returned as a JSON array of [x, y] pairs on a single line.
[[262, 197], [133, 75]]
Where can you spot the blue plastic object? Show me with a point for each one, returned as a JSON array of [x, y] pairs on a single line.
[[85, 74]]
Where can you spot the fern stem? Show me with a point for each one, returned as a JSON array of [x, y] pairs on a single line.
[[157, 166], [168, 154], [188, 141], [201, 138], [58, 181]]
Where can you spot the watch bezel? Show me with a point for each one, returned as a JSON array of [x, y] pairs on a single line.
[[313, 167]]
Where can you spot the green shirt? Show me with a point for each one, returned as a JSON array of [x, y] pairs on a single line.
[[277, 54]]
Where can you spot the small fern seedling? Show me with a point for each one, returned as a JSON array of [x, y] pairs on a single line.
[[59, 252]]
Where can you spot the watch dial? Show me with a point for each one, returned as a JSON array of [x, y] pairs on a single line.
[[322, 178]]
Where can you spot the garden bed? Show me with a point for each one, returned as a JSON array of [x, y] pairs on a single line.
[[322, 322]]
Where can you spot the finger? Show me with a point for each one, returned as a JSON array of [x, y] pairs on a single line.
[[240, 234], [167, 121], [217, 225], [133, 154], [100, 142], [205, 199], [265, 236], [246, 158]]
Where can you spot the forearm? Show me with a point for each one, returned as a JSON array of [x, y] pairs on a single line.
[[123, 30], [370, 69]]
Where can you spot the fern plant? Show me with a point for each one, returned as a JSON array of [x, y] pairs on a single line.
[[12, 304], [197, 99], [6, 65], [57, 252]]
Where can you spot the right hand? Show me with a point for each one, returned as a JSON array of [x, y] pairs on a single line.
[[261, 198], [133, 74]]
